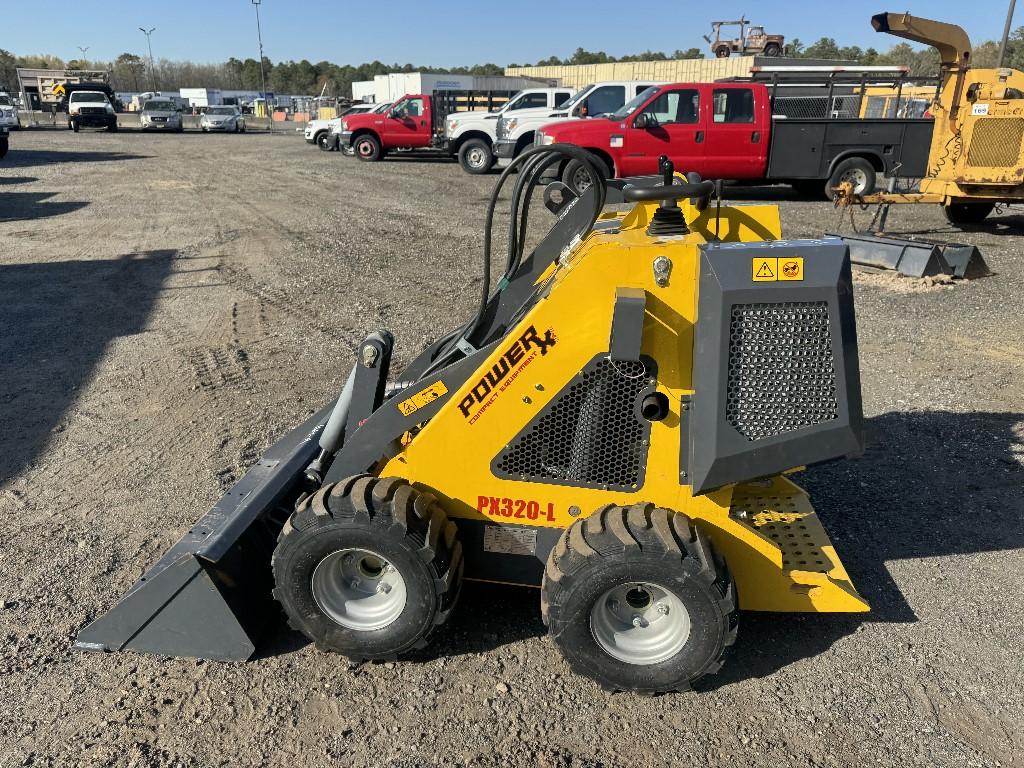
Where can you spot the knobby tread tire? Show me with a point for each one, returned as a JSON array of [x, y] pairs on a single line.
[[629, 535], [388, 507]]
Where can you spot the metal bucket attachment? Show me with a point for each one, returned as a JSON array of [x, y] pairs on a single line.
[[209, 595], [916, 258]]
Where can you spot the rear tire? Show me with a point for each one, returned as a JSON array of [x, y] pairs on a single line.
[[336, 600], [772, 49], [857, 171], [476, 156], [967, 213], [652, 565], [722, 52], [367, 148]]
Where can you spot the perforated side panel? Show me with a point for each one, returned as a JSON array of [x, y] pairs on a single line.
[[590, 435], [781, 372], [995, 142]]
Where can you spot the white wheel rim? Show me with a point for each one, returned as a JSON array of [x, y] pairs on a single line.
[[640, 623], [857, 178], [476, 157], [359, 589], [581, 179]]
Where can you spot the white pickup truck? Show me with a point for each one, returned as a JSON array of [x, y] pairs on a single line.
[[318, 131], [471, 135], [516, 132]]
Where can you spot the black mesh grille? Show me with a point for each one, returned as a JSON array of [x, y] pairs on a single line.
[[781, 372], [589, 435]]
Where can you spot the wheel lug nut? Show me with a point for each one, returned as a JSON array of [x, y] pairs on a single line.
[[383, 588], [637, 621], [354, 584], [662, 609]]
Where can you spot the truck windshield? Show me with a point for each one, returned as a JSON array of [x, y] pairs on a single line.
[[5, 100], [577, 97], [158, 106], [220, 111], [87, 96], [633, 104]]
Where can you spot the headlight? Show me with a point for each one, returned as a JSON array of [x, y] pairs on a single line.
[[344, 126], [510, 124], [544, 140], [453, 124]]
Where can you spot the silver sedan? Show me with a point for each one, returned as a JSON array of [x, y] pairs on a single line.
[[222, 119]]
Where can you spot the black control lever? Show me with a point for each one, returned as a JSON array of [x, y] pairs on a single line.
[[670, 189]]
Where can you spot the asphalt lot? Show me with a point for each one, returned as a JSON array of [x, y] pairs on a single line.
[[170, 304]]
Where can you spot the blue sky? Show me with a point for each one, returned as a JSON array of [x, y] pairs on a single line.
[[442, 33]]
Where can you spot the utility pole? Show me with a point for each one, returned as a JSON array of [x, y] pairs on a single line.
[[152, 68], [1006, 32], [83, 50], [263, 74]]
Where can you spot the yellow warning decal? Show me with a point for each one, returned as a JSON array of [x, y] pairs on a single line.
[[424, 397], [764, 270], [791, 268], [58, 89]]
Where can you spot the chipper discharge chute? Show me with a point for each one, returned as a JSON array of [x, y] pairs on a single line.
[[615, 425], [976, 157]]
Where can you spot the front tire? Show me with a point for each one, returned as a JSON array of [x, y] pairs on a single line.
[[637, 600], [576, 175], [772, 49], [476, 156], [323, 140], [112, 128], [959, 214], [367, 148], [722, 52], [855, 170], [368, 567], [74, 126]]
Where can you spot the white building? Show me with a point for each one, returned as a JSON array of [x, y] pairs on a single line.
[[393, 86]]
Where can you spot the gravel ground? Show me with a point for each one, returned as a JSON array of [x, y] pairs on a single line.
[[169, 305]]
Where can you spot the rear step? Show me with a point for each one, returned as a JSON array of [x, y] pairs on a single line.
[[209, 595]]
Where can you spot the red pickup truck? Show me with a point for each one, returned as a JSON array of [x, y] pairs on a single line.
[[415, 121], [727, 131]]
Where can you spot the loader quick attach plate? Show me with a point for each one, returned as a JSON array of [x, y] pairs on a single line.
[[776, 379]]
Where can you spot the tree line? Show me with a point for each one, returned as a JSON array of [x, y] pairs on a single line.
[[131, 72]]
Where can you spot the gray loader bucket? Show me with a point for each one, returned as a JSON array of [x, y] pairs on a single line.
[[209, 595], [916, 258]]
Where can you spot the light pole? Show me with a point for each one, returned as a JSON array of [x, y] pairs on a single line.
[[152, 69], [83, 50], [1006, 32], [263, 74]]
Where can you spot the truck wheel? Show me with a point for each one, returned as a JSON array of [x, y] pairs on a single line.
[[637, 600], [112, 127], [367, 147], [967, 213], [74, 126], [323, 140], [722, 52], [368, 567], [772, 49], [476, 157], [576, 175], [857, 171]]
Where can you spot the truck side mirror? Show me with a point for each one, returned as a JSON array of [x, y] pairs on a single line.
[[584, 108], [645, 120]]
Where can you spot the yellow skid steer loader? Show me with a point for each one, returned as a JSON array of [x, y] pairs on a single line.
[[614, 425]]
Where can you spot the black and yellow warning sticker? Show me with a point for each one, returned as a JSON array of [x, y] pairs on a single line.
[[769, 270], [412, 404]]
